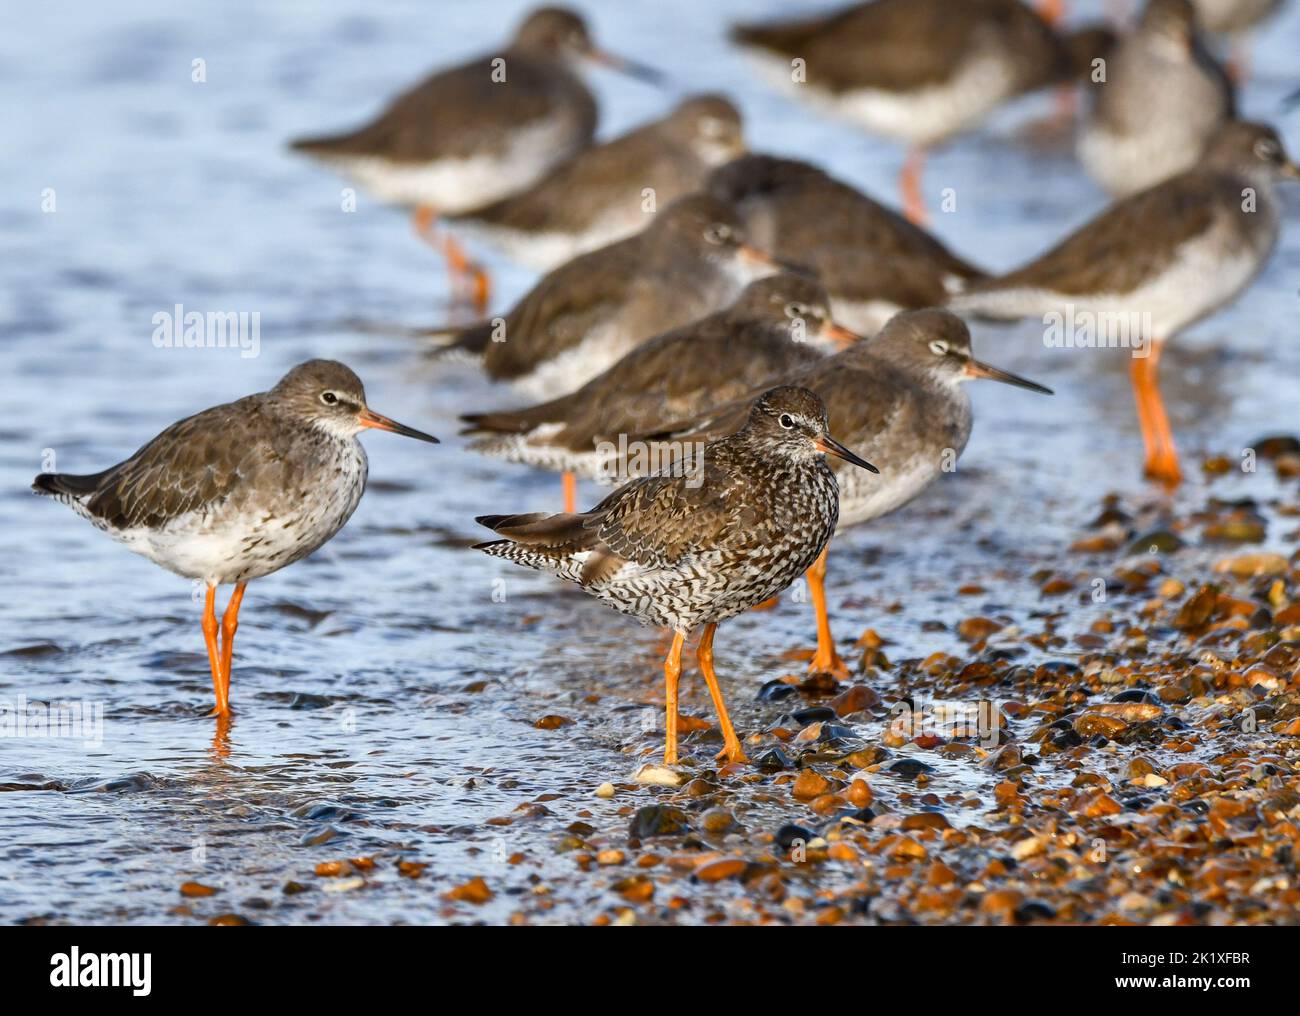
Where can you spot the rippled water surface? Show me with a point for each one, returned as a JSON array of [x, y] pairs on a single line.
[[387, 688]]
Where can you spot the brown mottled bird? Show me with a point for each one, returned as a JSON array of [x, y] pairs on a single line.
[[729, 530], [238, 491], [609, 191], [898, 399], [1162, 101], [1155, 262], [919, 70], [579, 319], [476, 132], [776, 326], [871, 260]]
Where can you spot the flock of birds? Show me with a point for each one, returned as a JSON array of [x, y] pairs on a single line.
[[711, 303]]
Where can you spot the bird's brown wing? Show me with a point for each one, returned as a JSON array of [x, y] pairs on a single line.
[[654, 521], [564, 307], [452, 114], [578, 191], [658, 521], [897, 45], [708, 362], [193, 464], [1130, 242]]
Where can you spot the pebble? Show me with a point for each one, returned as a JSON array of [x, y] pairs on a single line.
[[196, 889], [716, 871], [657, 820], [974, 629], [810, 784], [789, 834], [658, 776], [1253, 565], [552, 722], [605, 791], [717, 820], [474, 891], [344, 885]]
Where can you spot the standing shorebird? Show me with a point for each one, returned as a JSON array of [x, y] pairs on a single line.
[[730, 530], [898, 399], [1158, 261], [238, 491], [776, 326], [607, 192], [1162, 101], [871, 260], [920, 71], [477, 132], [693, 258]]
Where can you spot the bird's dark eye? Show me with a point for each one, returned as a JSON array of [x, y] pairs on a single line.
[[718, 233], [787, 421], [329, 398]]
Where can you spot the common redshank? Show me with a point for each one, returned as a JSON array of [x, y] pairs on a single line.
[[1162, 101], [474, 133], [1154, 263], [238, 491], [776, 326], [609, 191], [920, 71], [871, 260], [734, 528], [897, 398], [693, 258]]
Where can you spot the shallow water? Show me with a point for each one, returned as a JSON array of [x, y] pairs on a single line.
[[387, 688]]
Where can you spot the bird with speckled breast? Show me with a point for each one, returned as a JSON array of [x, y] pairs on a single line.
[[238, 491], [899, 400], [726, 530]]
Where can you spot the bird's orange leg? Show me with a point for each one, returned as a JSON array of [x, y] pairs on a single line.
[[229, 625], [909, 185], [826, 660], [422, 219], [731, 749], [459, 265], [570, 492], [214, 655], [1162, 456], [462, 268], [771, 603], [672, 674]]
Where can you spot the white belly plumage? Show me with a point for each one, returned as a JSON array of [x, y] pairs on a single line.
[[1207, 273], [220, 544], [452, 186], [920, 117]]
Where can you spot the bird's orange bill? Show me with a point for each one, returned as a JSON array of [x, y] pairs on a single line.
[[625, 66], [369, 418], [840, 335], [830, 446], [754, 256], [1289, 169], [974, 368]]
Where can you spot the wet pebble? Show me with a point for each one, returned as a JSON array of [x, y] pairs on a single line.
[[657, 820]]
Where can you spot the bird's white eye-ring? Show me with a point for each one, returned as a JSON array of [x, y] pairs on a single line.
[[786, 421], [938, 347], [718, 233], [1266, 148], [796, 310], [329, 398]]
